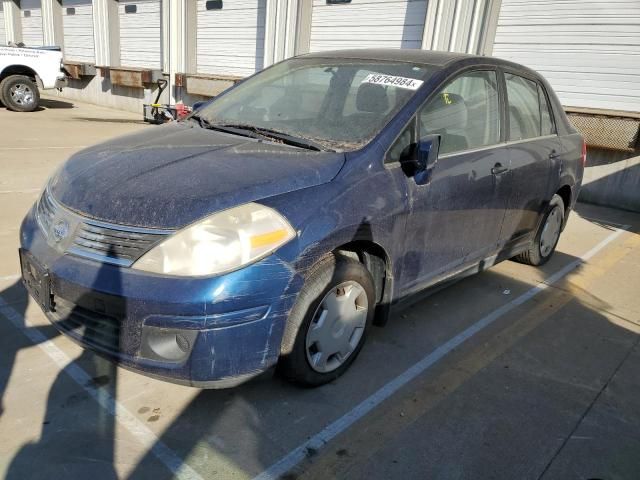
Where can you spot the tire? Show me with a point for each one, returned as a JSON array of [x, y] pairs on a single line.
[[19, 93], [335, 281], [545, 242]]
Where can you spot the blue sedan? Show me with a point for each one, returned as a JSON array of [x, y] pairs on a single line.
[[286, 216]]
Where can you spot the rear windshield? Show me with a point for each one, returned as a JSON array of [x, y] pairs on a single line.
[[339, 103]]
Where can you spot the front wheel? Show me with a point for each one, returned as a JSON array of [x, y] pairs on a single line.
[[547, 236], [19, 93], [335, 310]]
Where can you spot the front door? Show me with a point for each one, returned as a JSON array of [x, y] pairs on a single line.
[[457, 215]]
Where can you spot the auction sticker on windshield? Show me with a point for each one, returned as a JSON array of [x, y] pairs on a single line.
[[401, 82]]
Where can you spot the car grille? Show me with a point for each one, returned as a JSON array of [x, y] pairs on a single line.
[[108, 243], [120, 246], [46, 212], [97, 330]]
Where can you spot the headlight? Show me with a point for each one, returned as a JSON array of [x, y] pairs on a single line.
[[220, 243]]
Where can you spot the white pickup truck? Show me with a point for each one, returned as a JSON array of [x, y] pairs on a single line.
[[26, 71]]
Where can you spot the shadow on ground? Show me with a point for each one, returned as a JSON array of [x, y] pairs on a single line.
[[49, 103], [248, 428]]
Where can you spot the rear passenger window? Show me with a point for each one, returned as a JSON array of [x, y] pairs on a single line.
[[466, 113], [524, 108], [546, 121]]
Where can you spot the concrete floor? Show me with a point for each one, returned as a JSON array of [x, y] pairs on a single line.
[[485, 379]]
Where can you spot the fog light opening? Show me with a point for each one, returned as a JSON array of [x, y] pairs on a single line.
[[167, 344], [183, 342]]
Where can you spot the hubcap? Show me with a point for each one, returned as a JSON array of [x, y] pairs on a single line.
[[550, 232], [337, 326], [21, 94]]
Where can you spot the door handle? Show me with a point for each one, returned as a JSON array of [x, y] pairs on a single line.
[[498, 169], [553, 155]]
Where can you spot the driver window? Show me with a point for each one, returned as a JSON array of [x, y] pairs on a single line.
[[465, 113]]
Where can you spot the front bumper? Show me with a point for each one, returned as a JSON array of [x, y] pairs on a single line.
[[229, 328]]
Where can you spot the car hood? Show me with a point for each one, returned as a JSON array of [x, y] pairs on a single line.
[[170, 176]]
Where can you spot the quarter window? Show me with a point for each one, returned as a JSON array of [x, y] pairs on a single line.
[[466, 113], [546, 121]]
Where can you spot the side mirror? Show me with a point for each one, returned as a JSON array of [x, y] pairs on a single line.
[[422, 157], [428, 148]]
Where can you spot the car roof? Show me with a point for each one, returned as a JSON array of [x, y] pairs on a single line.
[[413, 55]]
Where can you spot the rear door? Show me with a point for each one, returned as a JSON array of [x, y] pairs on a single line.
[[456, 217], [534, 154]]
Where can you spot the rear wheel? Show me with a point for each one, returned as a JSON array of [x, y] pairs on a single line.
[[19, 93], [547, 237], [336, 305]]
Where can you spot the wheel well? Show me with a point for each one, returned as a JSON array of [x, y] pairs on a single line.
[[376, 260], [18, 70], [565, 194]]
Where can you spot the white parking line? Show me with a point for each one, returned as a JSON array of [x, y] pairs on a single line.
[[123, 416], [319, 440], [28, 190]]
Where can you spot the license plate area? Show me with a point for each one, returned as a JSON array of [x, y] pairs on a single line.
[[36, 279]]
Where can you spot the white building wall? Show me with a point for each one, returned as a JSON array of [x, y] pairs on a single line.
[[3, 30], [588, 50], [230, 40], [77, 20], [367, 24], [31, 16], [141, 33], [460, 25]]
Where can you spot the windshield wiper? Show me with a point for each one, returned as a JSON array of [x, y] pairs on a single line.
[[288, 138], [204, 123], [261, 132]]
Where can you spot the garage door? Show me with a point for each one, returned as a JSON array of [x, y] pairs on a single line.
[[230, 38], [77, 19], [140, 33], [367, 24], [31, 13], [3, 35], [588, 50]]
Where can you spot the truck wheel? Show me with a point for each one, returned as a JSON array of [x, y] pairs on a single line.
[[336, 306], [19, 93], [547, 236]]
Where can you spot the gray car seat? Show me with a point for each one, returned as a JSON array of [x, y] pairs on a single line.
[[371, 101]]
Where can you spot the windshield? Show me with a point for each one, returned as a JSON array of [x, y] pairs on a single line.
[[340, 104]]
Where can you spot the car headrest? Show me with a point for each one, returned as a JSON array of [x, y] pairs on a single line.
[[445, 111], [372, 98]]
